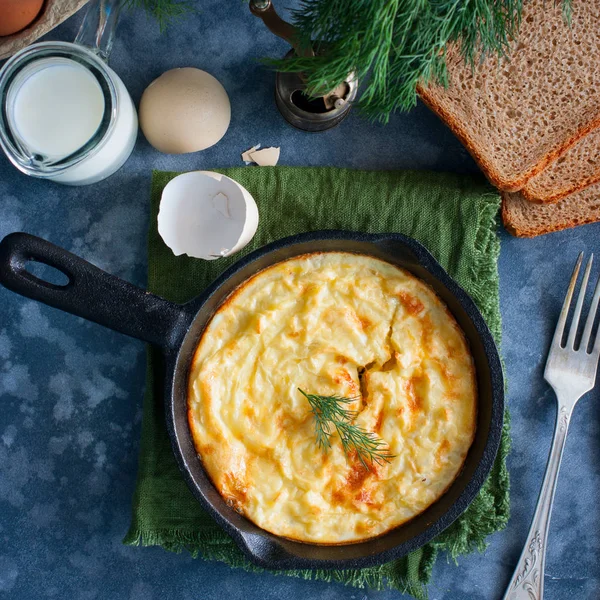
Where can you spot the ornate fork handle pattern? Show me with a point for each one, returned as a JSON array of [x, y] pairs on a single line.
[[528, 580]]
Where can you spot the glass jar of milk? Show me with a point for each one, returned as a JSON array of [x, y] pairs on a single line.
[[66, 116]]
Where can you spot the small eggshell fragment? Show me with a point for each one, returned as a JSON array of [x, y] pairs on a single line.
[[267, 157], [206, 215], [184, 110], [246, 155]]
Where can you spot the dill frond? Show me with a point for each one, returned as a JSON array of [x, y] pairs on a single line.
[[331, 415], [164, 11]]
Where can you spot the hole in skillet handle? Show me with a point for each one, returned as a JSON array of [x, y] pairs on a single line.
[[32, 267], [47, 274]]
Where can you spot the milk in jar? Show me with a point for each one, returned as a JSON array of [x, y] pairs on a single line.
[[60, 109]]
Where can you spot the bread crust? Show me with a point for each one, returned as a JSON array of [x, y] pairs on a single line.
[[530, 195], [531, 229], [542, 197], [490, 171]]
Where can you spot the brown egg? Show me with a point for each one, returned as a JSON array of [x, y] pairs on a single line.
[[184, 110], [17, 14]]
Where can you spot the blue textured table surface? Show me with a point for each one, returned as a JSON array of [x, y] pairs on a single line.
[[71, 391]]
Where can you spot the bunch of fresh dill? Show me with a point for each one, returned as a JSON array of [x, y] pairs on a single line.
[[395, 44]]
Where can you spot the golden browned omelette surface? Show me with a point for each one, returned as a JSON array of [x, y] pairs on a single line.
[[331, 323]]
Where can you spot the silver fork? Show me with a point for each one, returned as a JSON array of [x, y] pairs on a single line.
[[571, 373]]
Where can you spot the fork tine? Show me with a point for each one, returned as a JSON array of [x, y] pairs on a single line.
[[562, 319], [578, 306], [589, 323]]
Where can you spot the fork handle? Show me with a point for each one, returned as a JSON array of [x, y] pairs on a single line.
[[528, 579]]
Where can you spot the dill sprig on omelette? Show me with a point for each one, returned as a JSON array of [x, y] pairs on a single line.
[[331, 415]]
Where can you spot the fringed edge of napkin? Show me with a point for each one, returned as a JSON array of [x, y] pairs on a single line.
[[210, 546]]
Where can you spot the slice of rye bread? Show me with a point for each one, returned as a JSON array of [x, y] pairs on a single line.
[[577, 168], [519, 113], [527, 219]]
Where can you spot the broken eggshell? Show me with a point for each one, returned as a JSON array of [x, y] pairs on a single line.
[[206, 215], [246, 155], [266, 157]]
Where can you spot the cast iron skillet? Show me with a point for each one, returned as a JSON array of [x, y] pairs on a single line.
[[95, 295]]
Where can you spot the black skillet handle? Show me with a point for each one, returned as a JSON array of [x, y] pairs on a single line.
[[90, 293]]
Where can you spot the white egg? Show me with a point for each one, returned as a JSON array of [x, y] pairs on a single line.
[[184, 110], [206, 215]]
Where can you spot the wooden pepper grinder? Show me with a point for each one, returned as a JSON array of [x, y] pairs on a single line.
[[300, 110]]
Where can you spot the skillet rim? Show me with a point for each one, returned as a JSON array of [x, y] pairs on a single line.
[[265, 549]]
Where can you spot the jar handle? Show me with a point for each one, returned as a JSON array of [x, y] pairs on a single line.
[[97, 31]]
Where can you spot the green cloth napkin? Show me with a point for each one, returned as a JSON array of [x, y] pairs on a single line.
[[453, 216]]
